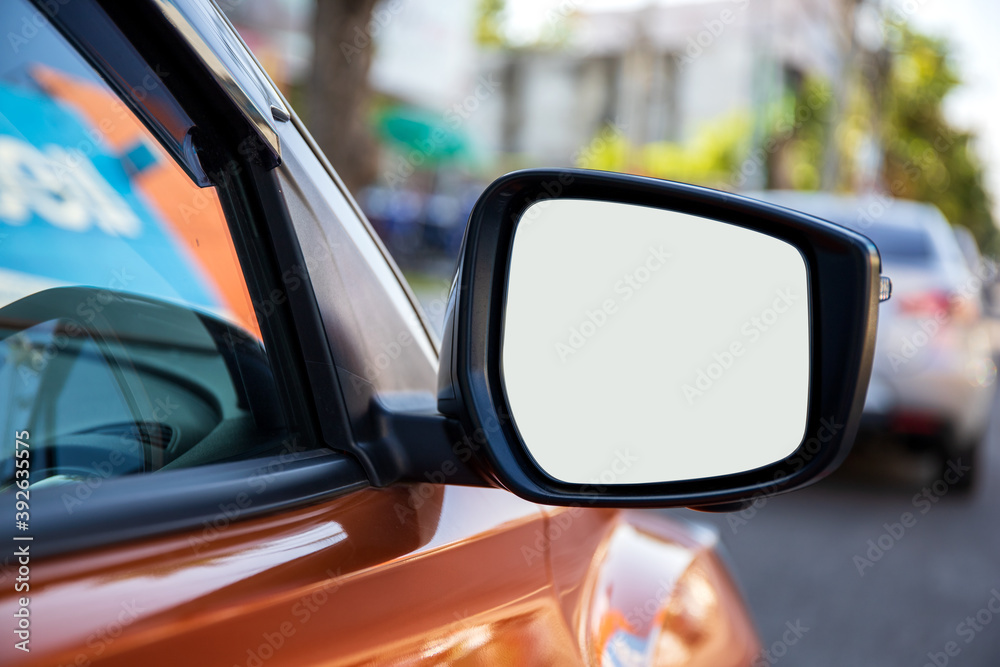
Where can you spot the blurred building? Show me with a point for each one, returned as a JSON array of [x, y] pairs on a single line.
[[450, 115], [656, 72], [277, 31], [426, 52]]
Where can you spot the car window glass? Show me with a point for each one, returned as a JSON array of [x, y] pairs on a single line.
[[128, 339], [899, 244]]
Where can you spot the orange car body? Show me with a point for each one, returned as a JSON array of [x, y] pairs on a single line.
[[449, 575]]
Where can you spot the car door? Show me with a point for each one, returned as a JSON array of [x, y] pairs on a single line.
[[196, 503]]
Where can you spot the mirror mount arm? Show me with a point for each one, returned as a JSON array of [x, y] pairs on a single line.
[[414, 443]]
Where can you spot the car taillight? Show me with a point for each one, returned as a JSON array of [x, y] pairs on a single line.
[[940, 305], [915, 423], [926, 304]]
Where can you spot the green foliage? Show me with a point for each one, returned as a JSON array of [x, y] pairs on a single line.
[[895, 112], [489, 23], [796, 135], [925, 158], [710, 158]]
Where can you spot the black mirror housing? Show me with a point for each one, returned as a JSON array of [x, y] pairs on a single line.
[[843, 277]]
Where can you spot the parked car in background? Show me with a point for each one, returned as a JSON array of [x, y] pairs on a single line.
[[934, 375], [967, 244], [985, 269]]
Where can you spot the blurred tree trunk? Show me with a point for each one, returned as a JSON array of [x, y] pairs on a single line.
[[338, 94]]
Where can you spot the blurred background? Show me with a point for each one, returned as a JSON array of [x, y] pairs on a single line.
[[881, 115]]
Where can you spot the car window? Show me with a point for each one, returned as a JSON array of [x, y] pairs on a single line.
[[901, 244], [128, 339]]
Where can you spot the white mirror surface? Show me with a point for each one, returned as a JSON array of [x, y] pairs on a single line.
[[642, 345]]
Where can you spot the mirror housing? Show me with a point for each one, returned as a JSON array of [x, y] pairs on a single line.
[[841, 276]]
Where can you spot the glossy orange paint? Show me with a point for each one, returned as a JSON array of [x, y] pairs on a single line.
[[420, 575], [641, 589]]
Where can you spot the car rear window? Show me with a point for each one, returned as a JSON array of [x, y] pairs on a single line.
[[900, 244]]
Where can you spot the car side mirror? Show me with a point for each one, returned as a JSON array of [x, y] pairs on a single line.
[[627, 341]]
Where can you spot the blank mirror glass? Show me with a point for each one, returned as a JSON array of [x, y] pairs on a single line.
[[642, 345]]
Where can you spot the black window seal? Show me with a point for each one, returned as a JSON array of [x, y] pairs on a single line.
[[99, 512]]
